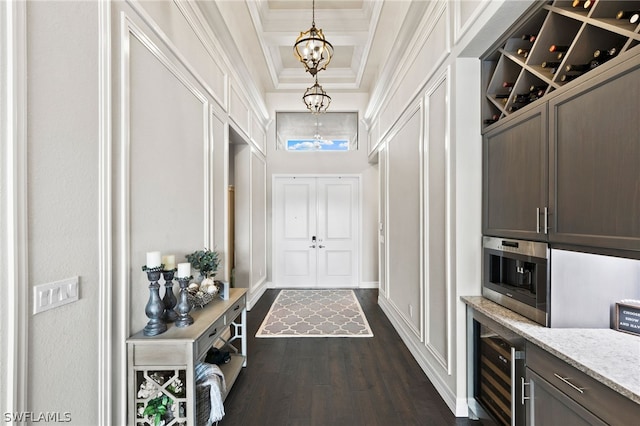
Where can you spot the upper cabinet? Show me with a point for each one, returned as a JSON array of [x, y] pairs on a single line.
[[562, 164], [594, 136], [515, 184], [557, 43]]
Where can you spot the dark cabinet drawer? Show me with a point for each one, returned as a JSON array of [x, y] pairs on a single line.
[[594, 396]]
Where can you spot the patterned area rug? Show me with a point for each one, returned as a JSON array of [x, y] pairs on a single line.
[[315, 313]]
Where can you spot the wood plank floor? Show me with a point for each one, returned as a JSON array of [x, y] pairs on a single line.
[[333, 381]]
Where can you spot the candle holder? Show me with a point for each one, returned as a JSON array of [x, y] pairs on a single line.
[[155, 307], [183, 308], [169, 299]]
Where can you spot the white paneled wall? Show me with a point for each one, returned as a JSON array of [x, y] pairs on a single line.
[[425, 133]]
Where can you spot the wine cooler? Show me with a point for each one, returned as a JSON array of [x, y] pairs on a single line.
[[498, 361]]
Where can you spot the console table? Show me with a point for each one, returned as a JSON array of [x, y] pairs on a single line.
[[167, 361]]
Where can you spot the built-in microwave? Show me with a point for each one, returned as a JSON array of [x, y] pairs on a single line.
[[516, 275]]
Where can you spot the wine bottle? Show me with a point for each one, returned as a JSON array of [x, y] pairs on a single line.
[[507, 84], [588, 3], [605, 54], [523, 52], [558, 48], [576, 3], [634, 18], [578, 67], [530, 37], [502, 95], [549, 64], [625, 14], [493, 119], [560, 55], [565, 78], [534, 88], [513, 108]]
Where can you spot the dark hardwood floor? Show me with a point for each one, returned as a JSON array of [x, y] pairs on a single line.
[[333, 381]]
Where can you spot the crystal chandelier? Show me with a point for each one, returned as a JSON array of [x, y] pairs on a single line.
[[316, 99], [312, 49]]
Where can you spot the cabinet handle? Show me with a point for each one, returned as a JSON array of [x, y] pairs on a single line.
[[522, 385], [566, 380], [236, 308], [313, 246], [546, 220], [537, 220], [214, 332], [321, 246]]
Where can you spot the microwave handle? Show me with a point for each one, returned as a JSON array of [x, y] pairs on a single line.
[[537, 220]]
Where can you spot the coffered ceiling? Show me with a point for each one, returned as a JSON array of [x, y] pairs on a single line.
[[262, 34]]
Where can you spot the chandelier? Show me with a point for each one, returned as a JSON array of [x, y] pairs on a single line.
[[312, 49], [316, 99]]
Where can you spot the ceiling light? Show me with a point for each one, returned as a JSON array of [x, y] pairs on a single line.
[[312, 49], [316, 99]]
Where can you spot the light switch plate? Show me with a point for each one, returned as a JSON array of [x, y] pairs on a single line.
[[58, 293]]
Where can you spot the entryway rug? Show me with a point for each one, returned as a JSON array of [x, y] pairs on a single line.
[[315, 313]]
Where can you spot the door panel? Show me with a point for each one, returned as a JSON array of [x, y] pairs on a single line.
[[324, 208], [295, 214], [337, 227]]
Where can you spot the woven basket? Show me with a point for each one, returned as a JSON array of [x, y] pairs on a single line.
[[203, 405], [197, 301]]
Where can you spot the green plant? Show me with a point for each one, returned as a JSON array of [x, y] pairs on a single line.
[[206, 261], [157, 408]]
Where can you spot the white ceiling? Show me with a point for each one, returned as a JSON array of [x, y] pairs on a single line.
[[262, 33]]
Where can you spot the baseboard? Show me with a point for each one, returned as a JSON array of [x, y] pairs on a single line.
[[458, 406], [369, 284], [256, 293]]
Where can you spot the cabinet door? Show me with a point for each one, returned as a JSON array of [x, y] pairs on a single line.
[[548, 406], [515, 178], [595, 161]]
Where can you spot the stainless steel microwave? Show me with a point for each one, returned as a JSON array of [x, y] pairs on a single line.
[[516, 275]]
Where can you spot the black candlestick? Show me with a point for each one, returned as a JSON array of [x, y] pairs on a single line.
[[169, 299], [183, 308], [155, 307]]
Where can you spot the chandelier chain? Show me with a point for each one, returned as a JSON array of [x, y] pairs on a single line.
[[313, 13]]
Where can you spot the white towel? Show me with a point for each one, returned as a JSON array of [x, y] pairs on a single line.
[[210, 375]]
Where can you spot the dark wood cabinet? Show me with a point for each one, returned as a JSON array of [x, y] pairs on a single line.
[[595, 161], [557, 393], [563, 165], [548, 406], [515, 183]]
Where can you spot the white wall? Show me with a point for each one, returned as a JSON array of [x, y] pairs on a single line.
[[127, 109], [352, 162], [62, 176], [426, 123]]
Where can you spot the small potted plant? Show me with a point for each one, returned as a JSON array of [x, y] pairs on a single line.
[[159, 409], [206, 262]]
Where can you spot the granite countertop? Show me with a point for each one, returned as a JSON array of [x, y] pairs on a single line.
[[609, 356]]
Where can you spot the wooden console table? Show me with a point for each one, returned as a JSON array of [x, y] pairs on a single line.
[[168, 360]]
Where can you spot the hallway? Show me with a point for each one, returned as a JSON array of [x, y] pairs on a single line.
[[333, 381]]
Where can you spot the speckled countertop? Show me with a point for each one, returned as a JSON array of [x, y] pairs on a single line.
[[609, 356]]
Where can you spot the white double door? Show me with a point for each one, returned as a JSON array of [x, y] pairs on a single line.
[[316, 223]]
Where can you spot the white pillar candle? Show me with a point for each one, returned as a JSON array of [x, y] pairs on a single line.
[[154, 259], [184, 270], [169, 262]]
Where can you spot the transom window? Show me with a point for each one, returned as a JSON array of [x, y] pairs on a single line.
[[305, 132]]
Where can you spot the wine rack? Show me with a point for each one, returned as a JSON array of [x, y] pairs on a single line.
[[523, 68]]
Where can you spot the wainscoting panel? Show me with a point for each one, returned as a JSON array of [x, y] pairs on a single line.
[[165, 142], [238, 109], [258, 219], [404, 243], [437, 253]]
